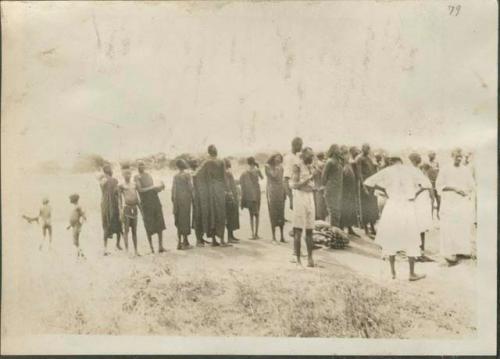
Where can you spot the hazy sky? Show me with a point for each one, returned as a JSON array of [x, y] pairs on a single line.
[[125, 79]]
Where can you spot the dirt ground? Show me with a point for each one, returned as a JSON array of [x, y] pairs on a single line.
[[249, 289]]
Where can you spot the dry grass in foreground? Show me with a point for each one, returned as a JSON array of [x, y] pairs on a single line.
[[293, 302]]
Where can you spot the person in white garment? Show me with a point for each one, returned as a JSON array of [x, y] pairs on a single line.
[[289, 162], [398, 229], [302, 182], [455, 183], [423, 206]]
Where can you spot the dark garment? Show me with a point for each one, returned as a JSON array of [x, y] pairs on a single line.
[[332, 180], [152, 212], [348, 211], [182, 198], [275, 195], [110, 209], [200, 196], [321, 212], [232, 205], [250, 190], [369, 206], [211, 177]]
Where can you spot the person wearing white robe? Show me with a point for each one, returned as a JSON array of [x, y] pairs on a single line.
[[455, 183], [398, 229], [423, 206]]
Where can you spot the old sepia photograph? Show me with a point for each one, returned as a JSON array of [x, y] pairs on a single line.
[[249, 177]]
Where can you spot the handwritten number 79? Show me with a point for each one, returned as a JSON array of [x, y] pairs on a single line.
[[454, 9]]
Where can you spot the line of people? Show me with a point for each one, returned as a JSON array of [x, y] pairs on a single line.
[[347, 187]]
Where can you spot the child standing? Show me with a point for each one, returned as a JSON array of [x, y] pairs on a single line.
[[129, 203], [44, 215], [77, 216], [250, 194]]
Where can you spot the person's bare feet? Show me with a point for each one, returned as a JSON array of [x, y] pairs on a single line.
[[310, 262], [162, 250], [415, 277], [118, 247]]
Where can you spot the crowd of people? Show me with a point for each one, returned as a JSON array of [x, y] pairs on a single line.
[[392, 202]]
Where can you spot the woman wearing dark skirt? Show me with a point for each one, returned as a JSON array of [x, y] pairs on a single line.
[[232, 204], [348, 212], [276, 194], [152, 212], [332, 180], [182, 197]]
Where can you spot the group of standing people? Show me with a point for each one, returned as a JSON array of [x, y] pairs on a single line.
[[346, 187], [394, 203]]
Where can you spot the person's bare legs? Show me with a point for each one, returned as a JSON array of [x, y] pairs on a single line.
[[282, 237], [297, 235], [413, 275], [257, 226], [118, 246], [392, 262], [179, 245], [309, 244], [372, 226], [106, 253], [150, 241], [273, 231], [134, 239], [185, 242], [252, 225], [125, 236], [160, 242]]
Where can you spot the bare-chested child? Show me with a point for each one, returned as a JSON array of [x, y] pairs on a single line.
[[44, 217], [129, 207], [77, 216]]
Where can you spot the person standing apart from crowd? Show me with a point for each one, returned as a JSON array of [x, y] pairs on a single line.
[[289, 162], [129, 204], [152, 212], [275, 192], [76, 219], [44, 215], [321, 211], [332, 181], [251, 195], [423, 205], [182, 198], [110, 207], [348, 215], [398, 229], [232, 204], [369, 206], [456, 186], [302, 182], [212, 175]]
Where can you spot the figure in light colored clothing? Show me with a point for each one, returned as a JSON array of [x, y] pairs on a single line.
[[289, 162], [398, 229], [423, 205], [456, 186], [302, 182]]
